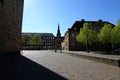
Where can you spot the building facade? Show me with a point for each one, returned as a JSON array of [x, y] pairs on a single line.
[[47, 39], [70, 42], [11, 12]]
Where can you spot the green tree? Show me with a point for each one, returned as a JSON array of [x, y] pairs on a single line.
[[116, 35], [25, 39], [38, 40], [31, 40], [87, 35], [105, 36]]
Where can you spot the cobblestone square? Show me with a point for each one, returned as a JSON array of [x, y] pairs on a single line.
[[73, 68]]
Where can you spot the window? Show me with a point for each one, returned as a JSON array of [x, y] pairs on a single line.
[[73, 35], [75, 28]]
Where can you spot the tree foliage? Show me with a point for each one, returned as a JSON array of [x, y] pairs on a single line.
[[87, 35], [34, 40], [38, 40], [116, 33], [25, 40], [105, 34]]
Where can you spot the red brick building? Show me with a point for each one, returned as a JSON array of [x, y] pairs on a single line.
[[70, 42]]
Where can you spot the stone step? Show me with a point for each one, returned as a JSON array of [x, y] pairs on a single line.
[[115, 61]]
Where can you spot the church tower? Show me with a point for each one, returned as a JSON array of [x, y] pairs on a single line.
[[58, 38], [58, 31]]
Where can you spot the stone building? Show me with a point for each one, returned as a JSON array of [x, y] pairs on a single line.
[[11, 12], [47, 39], [70, 42]]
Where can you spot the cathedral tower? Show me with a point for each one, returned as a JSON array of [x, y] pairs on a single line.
[[58, 31], [58, 38]]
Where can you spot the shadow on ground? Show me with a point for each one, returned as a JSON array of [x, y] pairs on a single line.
[[18, 67]]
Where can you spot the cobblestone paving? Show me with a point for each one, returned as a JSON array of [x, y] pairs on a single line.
[[74, 68]]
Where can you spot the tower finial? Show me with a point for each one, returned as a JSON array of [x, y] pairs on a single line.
[[58, 25]]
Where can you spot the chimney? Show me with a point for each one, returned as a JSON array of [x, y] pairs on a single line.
[[82, 20], [100, 20]]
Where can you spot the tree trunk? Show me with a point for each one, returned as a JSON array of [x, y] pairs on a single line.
[[88, 47]]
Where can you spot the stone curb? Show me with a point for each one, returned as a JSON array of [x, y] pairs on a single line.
[[113, 62]]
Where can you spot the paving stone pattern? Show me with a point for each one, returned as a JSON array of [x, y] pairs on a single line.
[[74, 68]]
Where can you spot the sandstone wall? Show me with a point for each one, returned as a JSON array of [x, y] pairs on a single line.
[[11, 12]]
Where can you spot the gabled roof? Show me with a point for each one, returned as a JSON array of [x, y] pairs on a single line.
[[79, 24]]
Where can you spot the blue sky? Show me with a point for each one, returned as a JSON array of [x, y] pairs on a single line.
[[44, 15]]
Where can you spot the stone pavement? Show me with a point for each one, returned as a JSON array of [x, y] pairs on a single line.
[[18, 67], [73, 68]]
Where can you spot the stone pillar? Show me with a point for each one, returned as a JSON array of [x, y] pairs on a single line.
[[11, 12]]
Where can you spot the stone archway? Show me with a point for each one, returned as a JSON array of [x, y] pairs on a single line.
[[11, 12]]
